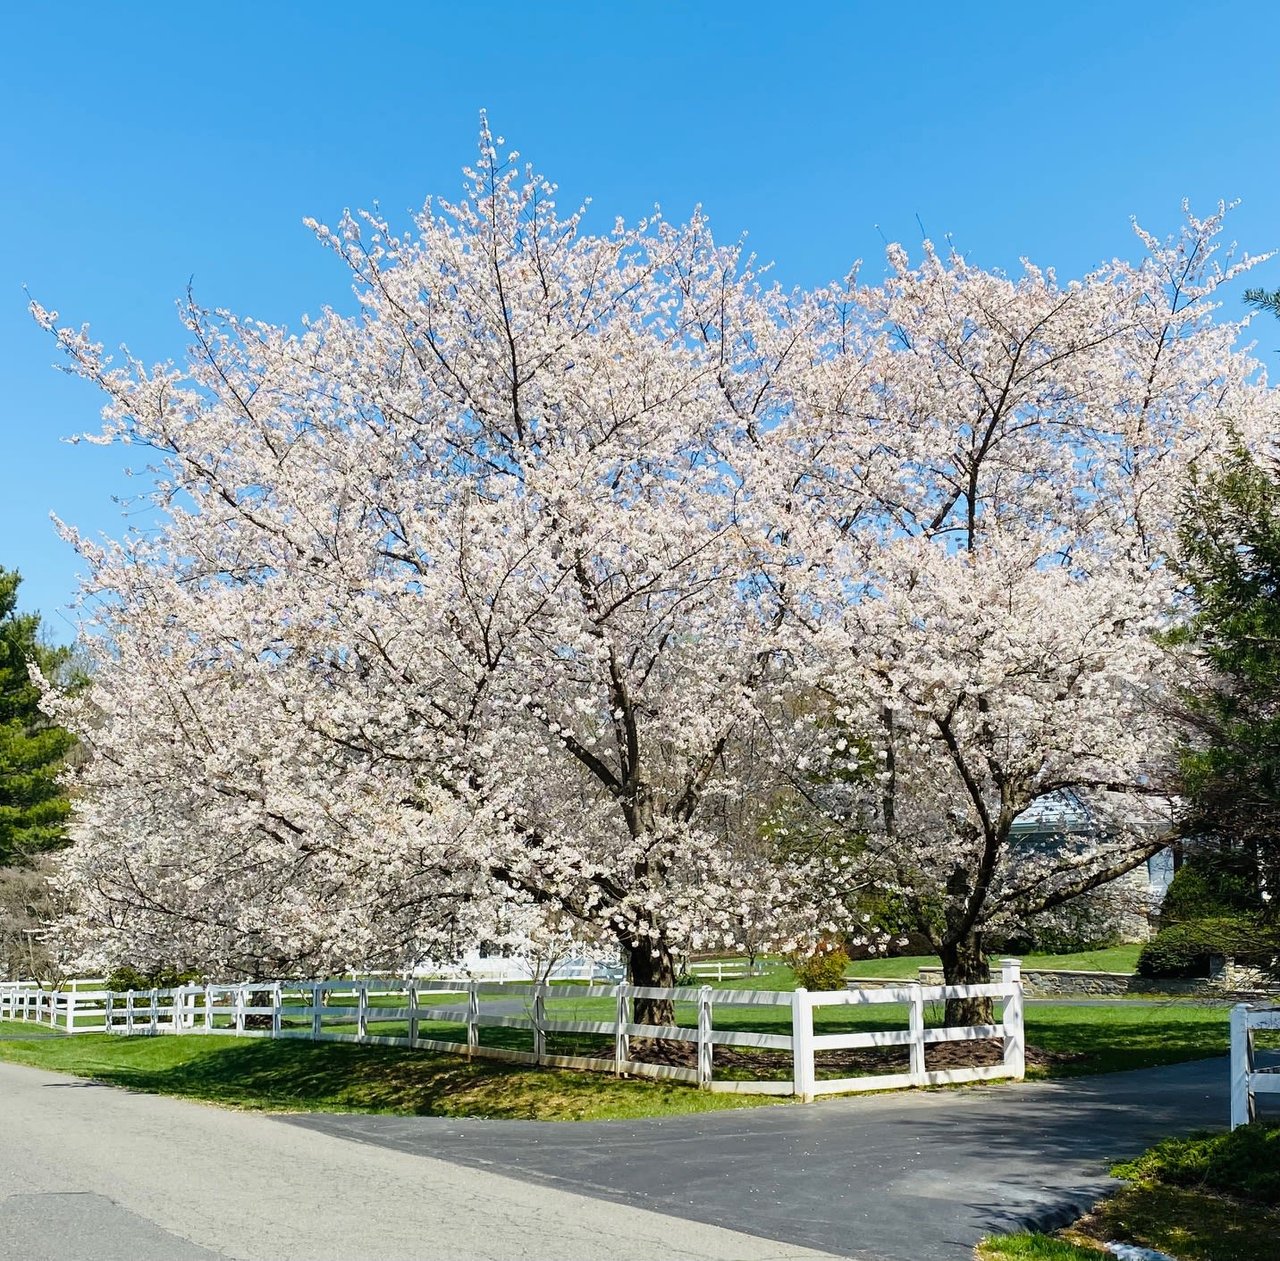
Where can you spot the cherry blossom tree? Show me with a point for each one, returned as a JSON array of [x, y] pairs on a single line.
[[452, 602], [586, 572], [981, 478]]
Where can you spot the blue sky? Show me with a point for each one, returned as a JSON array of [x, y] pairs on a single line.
[[145, 144]]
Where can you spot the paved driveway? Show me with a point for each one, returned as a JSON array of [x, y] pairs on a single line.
[[91, 1171], [892, 1177]]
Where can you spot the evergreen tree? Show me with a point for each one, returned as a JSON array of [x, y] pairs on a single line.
[[33, 805], [1231, 560]]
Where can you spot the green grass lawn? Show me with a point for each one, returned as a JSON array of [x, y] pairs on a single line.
[[1110, 959], [284, 1076]]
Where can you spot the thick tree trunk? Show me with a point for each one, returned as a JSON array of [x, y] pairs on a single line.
[[258, 998], [964, 962], [652, 964]]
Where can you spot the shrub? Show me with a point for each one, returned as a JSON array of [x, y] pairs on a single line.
[[1211, 883], [162, 977], [1184, 949], [821, 969], [1244, 1163]]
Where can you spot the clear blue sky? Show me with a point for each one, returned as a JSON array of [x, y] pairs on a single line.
[[145, 144]]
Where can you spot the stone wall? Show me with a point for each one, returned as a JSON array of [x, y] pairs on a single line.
[[1229, 982]]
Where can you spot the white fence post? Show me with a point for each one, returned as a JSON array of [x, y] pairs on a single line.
[[539, 1023], [317, 1008], [71, 1011], [413, 1013], [208, 1009], [705, 1045], [621, 1043], [915, 1025], [239, 1009], [128, 1012], [277, 1008], [362, 1012], [108, 1012], [803, 1073], [473, 1017], [1015, 1040], [1242, 1102], [153, 1025]]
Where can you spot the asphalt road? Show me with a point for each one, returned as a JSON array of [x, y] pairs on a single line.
[[917, 1176], [91, 1171]]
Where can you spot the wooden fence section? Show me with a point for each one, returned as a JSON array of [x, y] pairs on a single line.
[[1247, 1079], [341, 1010]]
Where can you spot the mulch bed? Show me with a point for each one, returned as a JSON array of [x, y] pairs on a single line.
[[851, 1063]]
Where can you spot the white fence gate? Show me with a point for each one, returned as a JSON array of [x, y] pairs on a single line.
[[1247, 1079], [306, 1009]]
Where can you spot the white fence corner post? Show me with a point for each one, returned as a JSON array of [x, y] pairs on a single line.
[[473, 1017], [208, 1009], [915, 1025], [622, 1017], [1015, 1038], [277, 1008], [539, 1022], [240, 1005], [71, 1011], [1242, 1102], [414, 1009], [803, 1071], [704, 1038], [362, 1012]]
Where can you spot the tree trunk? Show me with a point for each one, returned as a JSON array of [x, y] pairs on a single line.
[[964, 962], [652, 964], [259, 998]]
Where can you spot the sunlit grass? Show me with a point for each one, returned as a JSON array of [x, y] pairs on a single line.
[[290, 1075]]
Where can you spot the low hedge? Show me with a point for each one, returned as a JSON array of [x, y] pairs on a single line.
[[1244, 1163], [1184, 949]]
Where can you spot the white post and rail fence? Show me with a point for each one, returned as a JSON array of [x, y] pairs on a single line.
[[327, 1010], [1248, 1078]]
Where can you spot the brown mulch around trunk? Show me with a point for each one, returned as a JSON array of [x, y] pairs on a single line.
[[852, 1063]]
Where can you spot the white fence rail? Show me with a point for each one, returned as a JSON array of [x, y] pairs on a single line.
[[721, 971], [1247, 1079], [477, 967], [342, 1011]]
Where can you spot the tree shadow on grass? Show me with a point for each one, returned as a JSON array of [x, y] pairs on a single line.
[[302, 1076]]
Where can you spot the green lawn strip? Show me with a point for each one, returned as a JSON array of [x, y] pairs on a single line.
[[1029, 1247], [1206, 1197], [1109, 959], [1122, 1036], [295, 1075], [907, 967]]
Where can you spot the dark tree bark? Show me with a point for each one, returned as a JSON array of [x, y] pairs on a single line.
[[259, 998], [652, 964], [964, 962]]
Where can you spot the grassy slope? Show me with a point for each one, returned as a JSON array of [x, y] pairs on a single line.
[[342, 1077], [1208, 1197]]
